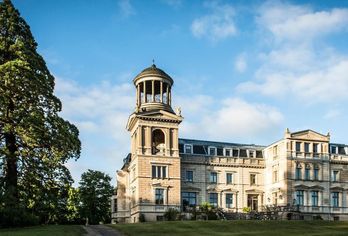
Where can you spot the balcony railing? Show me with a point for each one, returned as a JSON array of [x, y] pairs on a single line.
[[154, 208], [323, 209], [120, 214], [308, 155]]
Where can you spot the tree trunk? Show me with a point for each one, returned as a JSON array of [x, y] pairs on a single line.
[[11, 173]]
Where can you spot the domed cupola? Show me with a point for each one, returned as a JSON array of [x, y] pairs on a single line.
[[153, 87]]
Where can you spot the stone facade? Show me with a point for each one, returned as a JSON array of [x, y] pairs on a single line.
[[303, 174]]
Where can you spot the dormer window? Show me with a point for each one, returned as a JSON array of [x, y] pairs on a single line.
[[188, 149], [227, 152], [251, 153], [212, 151], [333, 149]]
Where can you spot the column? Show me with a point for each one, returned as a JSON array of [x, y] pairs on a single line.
[[175, 143], [145, 97], [221, 201], [148, 141], [153, 91], [170, 97], [167, 141], [139, 136], [137, 94], [161, 91], [167, 94]]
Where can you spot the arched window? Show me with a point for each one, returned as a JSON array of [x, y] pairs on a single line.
[[158, 142]]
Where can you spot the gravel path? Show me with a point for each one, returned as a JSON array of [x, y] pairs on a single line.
[[101, 230]]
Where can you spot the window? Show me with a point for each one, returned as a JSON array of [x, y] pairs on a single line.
[[212, 151], [316, 173], [335, 199], [299, 197], [189, 199], [251, 154], [298, 147], [158, 142], [252, 179], [275, 151], [307, 173], [159, 172], [229, 200], [213, 177], [315, 148], [275, 176], [189, 175], [213, 199], [306, 147], [335, 175], [228, 152], [315, 198], [188, 148], [298, 172], [229, 178], [235, 152], [333, 149], [159, 200]]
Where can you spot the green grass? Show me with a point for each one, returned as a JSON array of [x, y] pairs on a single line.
[[45, 230], [201, 228]]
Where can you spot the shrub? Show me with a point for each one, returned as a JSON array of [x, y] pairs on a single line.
[[17, 217], [171, 214]]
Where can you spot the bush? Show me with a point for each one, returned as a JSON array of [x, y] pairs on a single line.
[[17, 217], [171, 214]]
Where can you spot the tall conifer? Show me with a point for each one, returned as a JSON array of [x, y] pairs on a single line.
[[34, 141]]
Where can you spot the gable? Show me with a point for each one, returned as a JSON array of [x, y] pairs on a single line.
[[310, 135]]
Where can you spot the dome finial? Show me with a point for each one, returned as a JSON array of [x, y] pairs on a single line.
[[153, 63]]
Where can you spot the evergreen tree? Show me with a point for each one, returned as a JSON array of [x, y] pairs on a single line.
[[35, 142], [95, 196]]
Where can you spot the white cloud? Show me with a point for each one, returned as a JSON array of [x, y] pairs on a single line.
[[297, 67], [100, 112], [240, 64], [230, 119], [299, 22], [126, 8], [216, 26]]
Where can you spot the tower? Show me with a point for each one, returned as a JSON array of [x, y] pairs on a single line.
[[154, 163]]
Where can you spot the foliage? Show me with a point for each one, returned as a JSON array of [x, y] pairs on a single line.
[[95, 193], [208, 210], [51, 230], [171, 214], [35, 142], [246, 209]]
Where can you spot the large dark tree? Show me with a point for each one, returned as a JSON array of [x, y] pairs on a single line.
[[35, 142], [95, 194]]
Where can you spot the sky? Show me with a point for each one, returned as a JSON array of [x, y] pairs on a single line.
[[243, 71]]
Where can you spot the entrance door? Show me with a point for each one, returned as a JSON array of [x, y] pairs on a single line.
[[252, 201]]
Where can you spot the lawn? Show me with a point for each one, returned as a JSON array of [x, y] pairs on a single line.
[[201, 228], [50, 230]]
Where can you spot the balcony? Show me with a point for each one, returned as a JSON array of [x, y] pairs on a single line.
[[154, 208], [323, 209], [308, 155], [120, 214]]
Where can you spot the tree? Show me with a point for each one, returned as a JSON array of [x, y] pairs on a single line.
[[35, 142], [95, 194]]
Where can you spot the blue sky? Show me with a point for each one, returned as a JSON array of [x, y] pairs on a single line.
[[243, 70]]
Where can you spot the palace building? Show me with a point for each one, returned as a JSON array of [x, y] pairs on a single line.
[[301, 171]]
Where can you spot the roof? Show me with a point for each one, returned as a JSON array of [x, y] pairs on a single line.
[[214, 143], [153, 71]]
